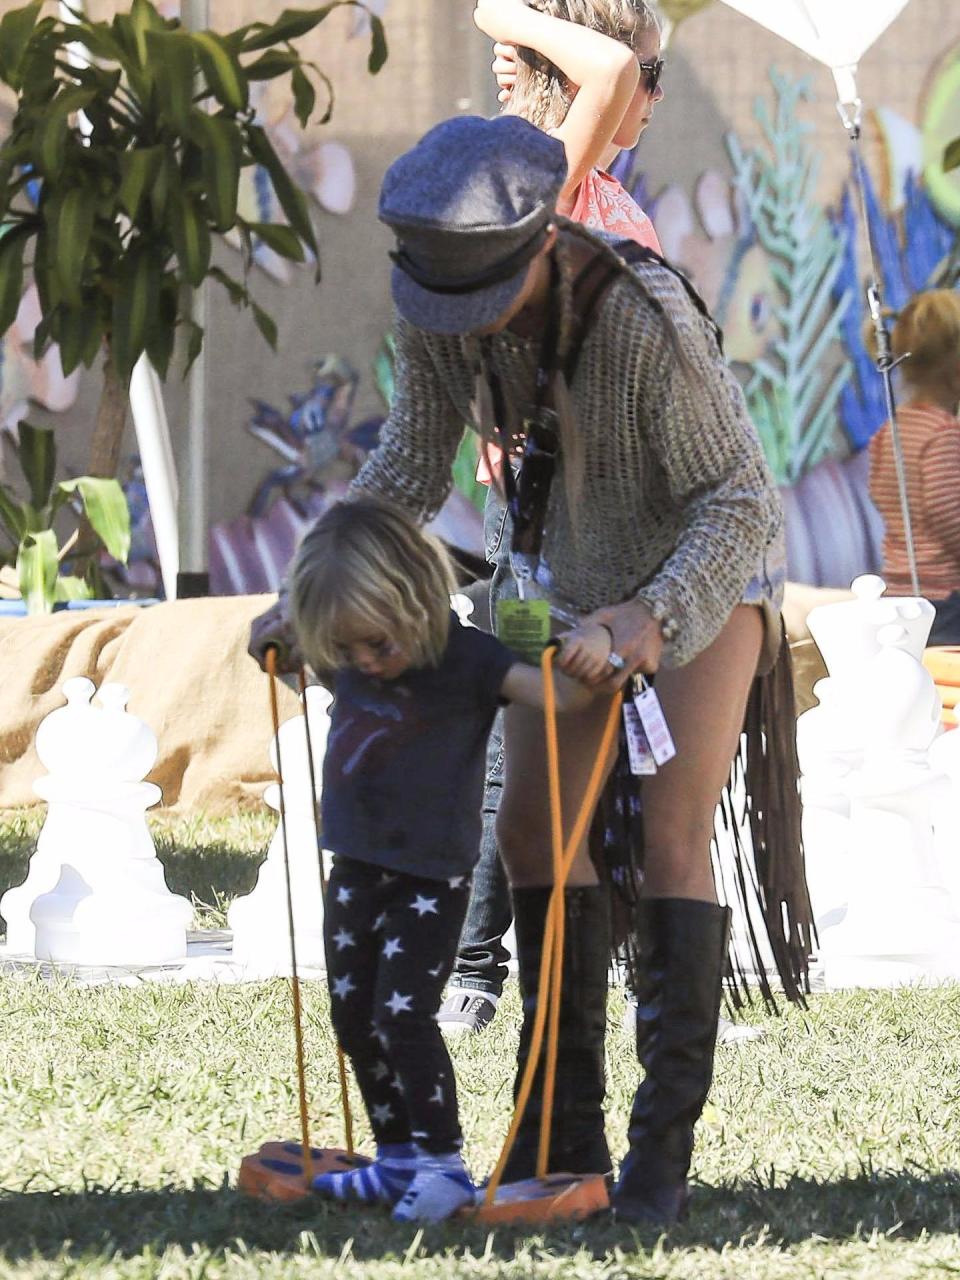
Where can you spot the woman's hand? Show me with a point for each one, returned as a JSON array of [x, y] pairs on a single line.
[[504, 67], [637, 638], [500, 19]]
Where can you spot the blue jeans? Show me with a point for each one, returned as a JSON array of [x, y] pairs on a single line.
[[481, 963]]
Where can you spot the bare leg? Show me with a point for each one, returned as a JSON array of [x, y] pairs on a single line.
[[704, 704], [523, 825]]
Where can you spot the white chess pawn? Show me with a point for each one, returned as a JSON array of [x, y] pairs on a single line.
[[95, 892], [260, 921]]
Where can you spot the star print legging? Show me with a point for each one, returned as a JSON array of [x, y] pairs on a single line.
[[391, 941]]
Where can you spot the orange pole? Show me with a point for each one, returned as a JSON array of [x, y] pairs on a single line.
[[341, 1058], [271, 661]]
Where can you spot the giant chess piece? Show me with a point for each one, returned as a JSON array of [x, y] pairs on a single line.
[[872, 801], [260, 921], [95, 892]]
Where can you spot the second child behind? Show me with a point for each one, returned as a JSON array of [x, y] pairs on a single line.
[[415, 693]]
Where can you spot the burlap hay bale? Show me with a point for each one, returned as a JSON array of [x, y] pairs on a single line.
[[190, 679]]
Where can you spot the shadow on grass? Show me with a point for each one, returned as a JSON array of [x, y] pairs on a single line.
[[898, 1205]]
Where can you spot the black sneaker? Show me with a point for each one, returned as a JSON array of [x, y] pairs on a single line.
[[466, 1009]]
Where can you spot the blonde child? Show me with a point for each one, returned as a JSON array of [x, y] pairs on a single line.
[[415, 694], [928, 328], [588, 72]]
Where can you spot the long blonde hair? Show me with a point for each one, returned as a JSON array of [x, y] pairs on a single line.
[[542, 94], [365, 562]]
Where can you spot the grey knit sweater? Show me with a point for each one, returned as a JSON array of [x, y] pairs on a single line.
[[677, 507]]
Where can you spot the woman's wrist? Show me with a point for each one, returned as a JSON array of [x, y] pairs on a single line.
[[661, 614]]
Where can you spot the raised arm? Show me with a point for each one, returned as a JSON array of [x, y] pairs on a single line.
[[604, 72], [412, 464]]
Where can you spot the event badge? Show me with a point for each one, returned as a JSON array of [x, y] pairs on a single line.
[[638, 748], [654, 723], [524, 627]]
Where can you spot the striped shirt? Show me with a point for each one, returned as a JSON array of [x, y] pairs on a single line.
[[931, 448]]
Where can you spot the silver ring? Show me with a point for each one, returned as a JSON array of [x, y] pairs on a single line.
[[614, 660]]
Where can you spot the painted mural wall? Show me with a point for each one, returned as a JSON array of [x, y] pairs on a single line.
[[746, 173]]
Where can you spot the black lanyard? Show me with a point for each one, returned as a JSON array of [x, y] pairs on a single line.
[[528, 491]]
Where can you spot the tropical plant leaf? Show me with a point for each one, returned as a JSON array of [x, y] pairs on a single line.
[[106, 508], [71, 230], [951, 155], [304, 96], [194, 344], [292, 200], [176, 53], [291, 24], [279, 238], [191, 236], [12, 516], [37, 570], [53, 133], [138, 285], [275, 62], [73, 334], [16, 28], [138, 172], [379, 50], [11, 272], [238, 294], [223, 71], [36, 452], [265, 323], [70, 587], [161, 332], [220, 140]]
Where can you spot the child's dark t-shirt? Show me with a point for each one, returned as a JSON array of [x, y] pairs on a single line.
[[404, 767]]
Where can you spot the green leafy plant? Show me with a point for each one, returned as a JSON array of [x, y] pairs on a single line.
[[28, 530], [135, 150]]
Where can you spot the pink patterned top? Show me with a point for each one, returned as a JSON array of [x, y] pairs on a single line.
[[601, 204]]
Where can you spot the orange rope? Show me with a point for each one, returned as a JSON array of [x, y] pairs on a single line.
[[271, 662], [341, 1058], [551, 957]]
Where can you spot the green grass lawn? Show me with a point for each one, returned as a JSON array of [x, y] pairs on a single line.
[[828, 1150]]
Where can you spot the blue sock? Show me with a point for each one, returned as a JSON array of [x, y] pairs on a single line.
[[440, 1186], [383, 1182]]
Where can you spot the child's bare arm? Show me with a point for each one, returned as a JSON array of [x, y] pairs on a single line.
[[524, 684], [604, 71]]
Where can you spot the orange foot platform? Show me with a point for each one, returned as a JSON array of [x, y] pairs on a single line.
[[559, 1195], [276, 1173]]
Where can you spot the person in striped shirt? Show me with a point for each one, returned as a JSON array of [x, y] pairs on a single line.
[[928, 328]]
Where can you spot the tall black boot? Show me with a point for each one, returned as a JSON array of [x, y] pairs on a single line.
[[577, 1140], [683, 944]]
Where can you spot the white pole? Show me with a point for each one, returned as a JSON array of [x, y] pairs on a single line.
[[159, 470], [194, 456]]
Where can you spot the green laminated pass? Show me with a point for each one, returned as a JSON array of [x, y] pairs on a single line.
[[524, 627]]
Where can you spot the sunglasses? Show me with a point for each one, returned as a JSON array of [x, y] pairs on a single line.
[[652, 71]]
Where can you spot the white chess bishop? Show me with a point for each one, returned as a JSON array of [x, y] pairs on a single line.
[[876, 806], [95, 892], [260, 921]]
